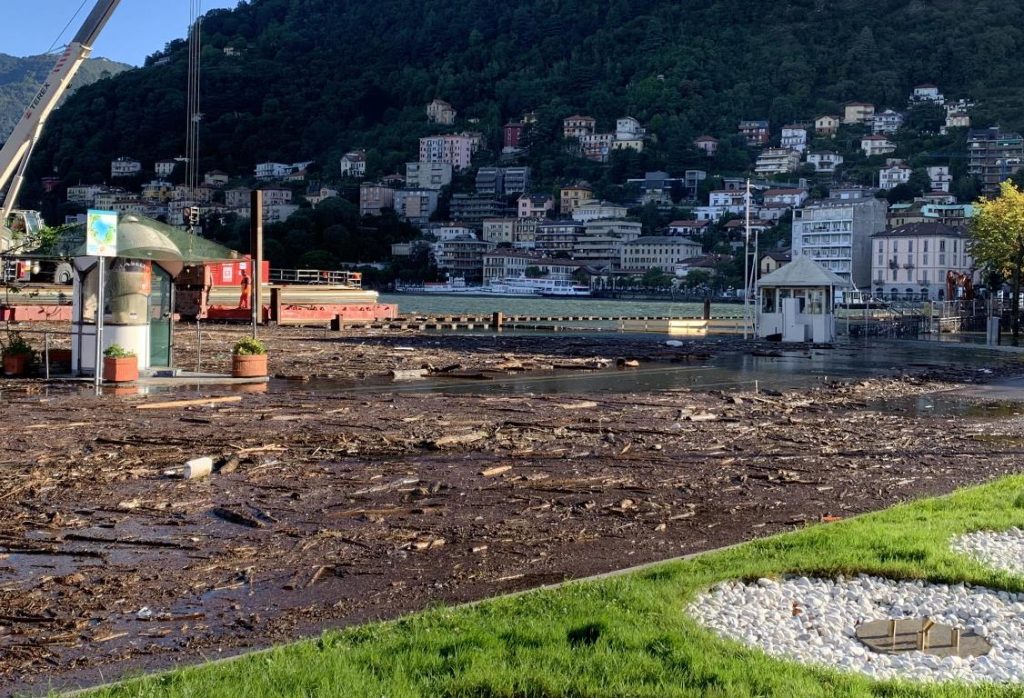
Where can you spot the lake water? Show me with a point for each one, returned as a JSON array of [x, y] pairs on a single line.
[[551, 307]]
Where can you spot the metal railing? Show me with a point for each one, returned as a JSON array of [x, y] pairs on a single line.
[[353, 279]]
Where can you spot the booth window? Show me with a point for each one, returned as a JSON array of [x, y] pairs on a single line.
[[768, 300]]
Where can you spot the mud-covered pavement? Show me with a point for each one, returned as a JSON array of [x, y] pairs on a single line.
[[333, 509]]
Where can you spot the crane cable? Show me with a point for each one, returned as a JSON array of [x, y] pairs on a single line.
[[194, 115], [66, 26]]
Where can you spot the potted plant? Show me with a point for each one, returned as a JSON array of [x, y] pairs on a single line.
[[17, 355], [249, 358], [119, 365]]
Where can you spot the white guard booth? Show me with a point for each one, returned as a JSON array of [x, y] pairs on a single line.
[[796, 302], [138, 297]]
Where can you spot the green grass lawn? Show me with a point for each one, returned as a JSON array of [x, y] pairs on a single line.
[[625, 636]]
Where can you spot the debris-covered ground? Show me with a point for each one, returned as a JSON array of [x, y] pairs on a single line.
[[332, 509]]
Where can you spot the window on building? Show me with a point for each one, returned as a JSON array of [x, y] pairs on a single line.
[[894, 273], [942, 245], [925, 245], [910, 245]]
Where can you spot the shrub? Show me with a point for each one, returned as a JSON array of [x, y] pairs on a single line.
[[16, 346], [249, 347], [116, 351]]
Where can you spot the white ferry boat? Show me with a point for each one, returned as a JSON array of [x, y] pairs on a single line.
[[520, 287], [546, 287]]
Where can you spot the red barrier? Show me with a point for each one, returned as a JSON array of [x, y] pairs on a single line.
[[35, 313]]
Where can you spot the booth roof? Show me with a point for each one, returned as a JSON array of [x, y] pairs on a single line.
[[144, 238], [802, 272]]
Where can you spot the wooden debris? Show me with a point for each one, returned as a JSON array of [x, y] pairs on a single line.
[[236, 517], [174, 404]]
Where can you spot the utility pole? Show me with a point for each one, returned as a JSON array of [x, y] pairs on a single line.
[[746, 266]]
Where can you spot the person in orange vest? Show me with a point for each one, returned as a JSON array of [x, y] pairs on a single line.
[[243, 301]]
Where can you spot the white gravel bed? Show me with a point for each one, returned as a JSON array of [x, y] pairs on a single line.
[[762, 616], [1000, 550]]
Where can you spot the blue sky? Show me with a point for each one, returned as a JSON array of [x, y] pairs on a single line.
[[137, 28]]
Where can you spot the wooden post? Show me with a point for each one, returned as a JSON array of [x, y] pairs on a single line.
[[497, 320], [955, 639], [336, 323], [275, 305], [256, 250], [707, 308]]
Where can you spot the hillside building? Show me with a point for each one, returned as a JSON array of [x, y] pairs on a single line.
[[441, 112], [428, 175], [858, 113], [911, 262], [353, 164], [994, 156], [836, 233], [125, 167], [657, 252], [755, 132]]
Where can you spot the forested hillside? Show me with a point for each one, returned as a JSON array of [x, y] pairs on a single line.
[[20, 78], [314, 78]]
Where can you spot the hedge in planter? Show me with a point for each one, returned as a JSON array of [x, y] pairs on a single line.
[[119, 365], [249, 358]]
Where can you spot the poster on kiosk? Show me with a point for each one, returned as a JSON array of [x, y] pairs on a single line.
[[101, 242], [101, 233]]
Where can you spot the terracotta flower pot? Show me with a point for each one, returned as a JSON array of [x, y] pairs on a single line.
[[16, 364], [120, 370], [248, 365]]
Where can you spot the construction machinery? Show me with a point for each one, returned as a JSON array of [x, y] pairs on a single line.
[[19, 229]]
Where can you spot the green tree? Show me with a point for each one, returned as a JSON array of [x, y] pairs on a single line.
[[997, 240]]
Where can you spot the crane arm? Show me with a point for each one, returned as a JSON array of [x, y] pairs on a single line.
[[16, 151]]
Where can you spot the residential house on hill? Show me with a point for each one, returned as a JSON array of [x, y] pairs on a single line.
[[441, 112], [574, 195], [353, 164], [773, 260], [940, 178], [535, 205], [512, 132], [787, 197], [125, 167], [826, 126], [893, 174], [887, 122], [756, 132], [688, 228], [794, 137], [165, 168], [777, 161], [824, 161], [858, 112], [576, 126], [708, 145], [216, 178], [876, 145], [928, 93]]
